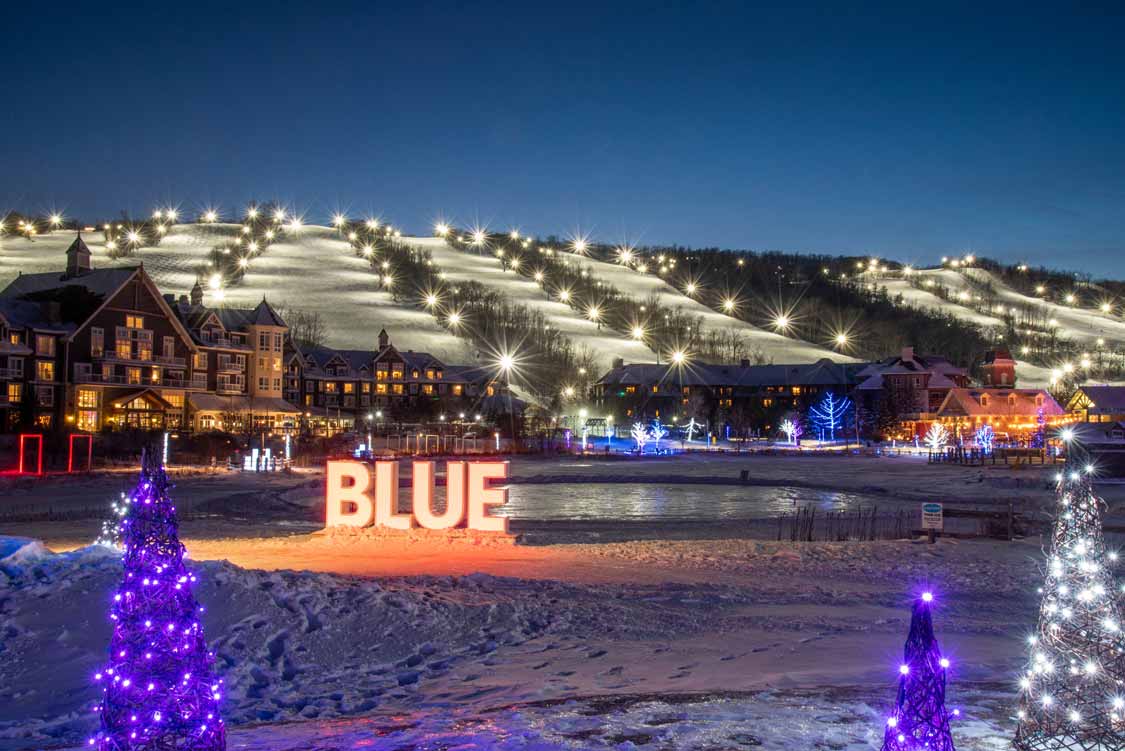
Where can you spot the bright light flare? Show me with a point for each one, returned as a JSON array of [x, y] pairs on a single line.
[[441, 229]]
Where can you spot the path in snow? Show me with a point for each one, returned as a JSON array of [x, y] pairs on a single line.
[[459, 266]]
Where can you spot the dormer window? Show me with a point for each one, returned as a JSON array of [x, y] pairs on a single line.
[[1038, 400], [984, 400]]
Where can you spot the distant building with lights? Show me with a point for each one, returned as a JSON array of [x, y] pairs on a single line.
[[338, 389], [668, 392], [1098, 404]]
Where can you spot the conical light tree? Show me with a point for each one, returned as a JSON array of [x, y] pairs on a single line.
[[920, 719], [1072, 693], [159, 691]]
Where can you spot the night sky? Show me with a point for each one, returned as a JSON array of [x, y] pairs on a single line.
[[887, 130]]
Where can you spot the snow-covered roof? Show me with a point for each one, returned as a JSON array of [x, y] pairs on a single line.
[[1109, 399], [217, 403], [100, 282], [824, 372], [998, 402]]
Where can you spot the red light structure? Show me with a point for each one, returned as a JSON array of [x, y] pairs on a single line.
[[26, 438], [89, 465]]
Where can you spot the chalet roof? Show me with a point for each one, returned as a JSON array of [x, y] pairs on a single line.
[[1001, 402], [824, 372], [256, 404], [1000, 353], [939, 369], [29, 314], [1105, 398], [100, 282], [235, 319]]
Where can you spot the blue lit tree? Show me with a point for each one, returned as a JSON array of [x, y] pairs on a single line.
[[1039, 438], [159, 691], [829, 415], [920, 720], [985, 438]]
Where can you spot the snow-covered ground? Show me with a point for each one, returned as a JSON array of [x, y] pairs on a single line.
[[604, 342], [691, 643], [776, 348], [1076, 324], [689, 637]]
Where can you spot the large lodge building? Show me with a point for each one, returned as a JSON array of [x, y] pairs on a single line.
[[90, 349], [918, 389]]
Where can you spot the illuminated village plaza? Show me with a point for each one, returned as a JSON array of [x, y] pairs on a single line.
[[425, 377]]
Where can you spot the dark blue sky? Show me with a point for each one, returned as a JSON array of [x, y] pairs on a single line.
[[883, 129]]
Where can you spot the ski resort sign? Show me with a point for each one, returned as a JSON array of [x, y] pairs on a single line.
[[358, 497], [933, 517]]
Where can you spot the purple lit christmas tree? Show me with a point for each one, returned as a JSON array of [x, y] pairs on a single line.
[[160, 694], [920, 720]]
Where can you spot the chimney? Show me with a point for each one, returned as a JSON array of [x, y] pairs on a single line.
[[384, 340], [744, 363], [907, 353], [618, 362], [197, 294], [77, 258]]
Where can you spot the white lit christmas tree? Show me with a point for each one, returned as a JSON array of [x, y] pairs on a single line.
[[1072, 693]]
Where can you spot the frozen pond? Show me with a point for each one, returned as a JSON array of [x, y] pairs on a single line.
[[648, 502]]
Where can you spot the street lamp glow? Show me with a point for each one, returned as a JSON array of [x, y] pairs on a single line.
[[339, 220], [133, 237], [690, 288], [252, 212], [593, 312], [580, 245], [638, 333], [454, 319], [441, 229], [564, 295], [538, 276], [728, 305], [216, 281], [431, 300], [478, 237], [279, 216], [372, 224], [210, 216], [56, 220], [781, 322], [506, 362], [679, 357], [841, 339]]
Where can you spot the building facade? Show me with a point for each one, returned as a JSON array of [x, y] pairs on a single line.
[[674, 392]]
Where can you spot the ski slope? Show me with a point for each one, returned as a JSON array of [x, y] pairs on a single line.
[[311, 270], [777, 348], [460, 266], [1077, 324]]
